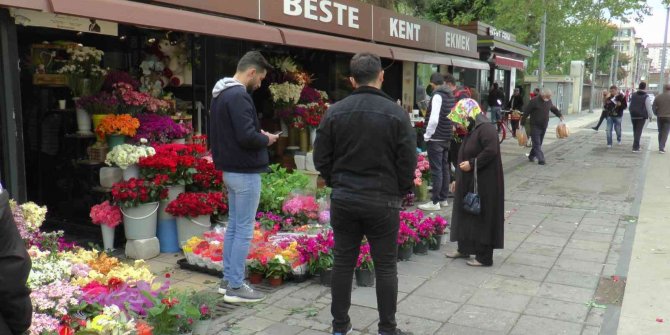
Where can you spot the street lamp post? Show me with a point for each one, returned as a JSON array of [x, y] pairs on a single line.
[[595, 75], [543, 33], [663, 51]]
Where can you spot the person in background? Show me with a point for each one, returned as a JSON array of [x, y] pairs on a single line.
[[480, 151], [438, 137], [515, 105], [535, 93], [639, 107], [538, 110], [495, 101], [239, 149], [603, 113], [460, 93], [661, 108], [365, 149], [16, 308], [614, 104]]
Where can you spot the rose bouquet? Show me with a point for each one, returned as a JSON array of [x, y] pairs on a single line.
[[191, 204], [422, 172], [365, 258], [107, 214], [125, 155], [207, 177], [123, 124], [135, 192], [177, 161]]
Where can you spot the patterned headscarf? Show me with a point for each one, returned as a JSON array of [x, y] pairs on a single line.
[[465, 109]]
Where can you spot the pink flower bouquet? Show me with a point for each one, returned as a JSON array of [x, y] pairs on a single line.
[[107, 214]]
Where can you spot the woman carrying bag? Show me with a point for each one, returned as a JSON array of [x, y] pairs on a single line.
[[479, 163]]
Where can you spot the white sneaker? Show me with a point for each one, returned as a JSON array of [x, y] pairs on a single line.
[[444, 203], [430, 206]]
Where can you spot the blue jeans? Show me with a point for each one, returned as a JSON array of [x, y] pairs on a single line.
[[244, 192], [495, 114], [616, 123]]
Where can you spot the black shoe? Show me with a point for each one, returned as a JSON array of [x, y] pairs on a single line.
[[531, 159], [396, 332], [541, 163], [594, 128]]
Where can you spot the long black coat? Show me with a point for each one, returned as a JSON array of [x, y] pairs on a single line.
[[488, 227]]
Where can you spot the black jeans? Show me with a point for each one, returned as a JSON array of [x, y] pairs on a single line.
[[537, 136], [638, 127], [438, 157], [351, 221], [603, 116], [515, 127], [663, 130], [483, 253]]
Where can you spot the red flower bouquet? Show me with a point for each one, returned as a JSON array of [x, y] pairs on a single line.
[[207, 178], [177, 161], [107, 214], [196, 204], [135, 192]]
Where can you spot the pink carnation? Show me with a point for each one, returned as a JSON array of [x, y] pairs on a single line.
[[107, 214]]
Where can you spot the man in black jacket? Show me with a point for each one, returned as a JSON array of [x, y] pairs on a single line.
[[515, 105], [365, 149], [239, 149], [495, 102], [538, 110], [439, 132], [16, 309], [640, 106], [614, 104]]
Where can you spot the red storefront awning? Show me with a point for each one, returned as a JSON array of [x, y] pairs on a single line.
[[509, 62], [41, 5]]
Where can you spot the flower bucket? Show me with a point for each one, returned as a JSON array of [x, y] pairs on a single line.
[[437, 244], [304, 140], [189, 227], [404, 253], [140, 222], [97, 118], [326, 277], [201, 327], [276, 281], [110, 176], [421, 248], [365, 278], [422, 192], [107, 236], [132, 171], [299, 273], [255, 278], [167, 235], [83, 122], [114, 140], [312, 137], [173, 192]]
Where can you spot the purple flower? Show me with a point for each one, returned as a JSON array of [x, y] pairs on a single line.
[[309, 94], [159, 128]]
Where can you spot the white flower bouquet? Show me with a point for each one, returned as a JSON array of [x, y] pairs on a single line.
[[125, 155], [286, 93]]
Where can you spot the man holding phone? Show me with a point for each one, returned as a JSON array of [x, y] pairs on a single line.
[[239, 149]]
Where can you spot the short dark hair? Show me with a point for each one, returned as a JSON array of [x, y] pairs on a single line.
[[642, 86], [437, 78], [449, 79], [253, 59], [666, 87], [365, 67], [614, 87], [495, 86]]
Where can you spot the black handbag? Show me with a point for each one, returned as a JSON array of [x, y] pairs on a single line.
[[471, 201]]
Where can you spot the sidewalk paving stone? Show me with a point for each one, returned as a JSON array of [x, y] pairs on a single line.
[[588, 245], [428, 308], [591, 330], [281, 329], [536, 325], [567, 264], [523, 271], [540, 249], [566, 293], [452, 329], [408, 284], [446, 289], [584, 255], [500, 300], [596, 237], [367, 297], [512, 285], [361, 317], [556, 309], [531, 259], [485, 318], [570, 278]]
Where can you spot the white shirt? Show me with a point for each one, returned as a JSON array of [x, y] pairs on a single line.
[[435, 108]]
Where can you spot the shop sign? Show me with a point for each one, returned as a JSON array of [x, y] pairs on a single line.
[[26, 17], [455, 41], [245, 8], [499, 34], [342, 17], [393, 28]]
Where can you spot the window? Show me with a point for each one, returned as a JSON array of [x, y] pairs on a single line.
[[423, 73]]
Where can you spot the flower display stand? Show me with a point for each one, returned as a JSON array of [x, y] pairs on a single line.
[[143, 249], [167, 236]]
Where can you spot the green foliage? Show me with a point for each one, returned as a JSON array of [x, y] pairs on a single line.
[[277, 185], [278, 268], [321, 263], [460, 11]]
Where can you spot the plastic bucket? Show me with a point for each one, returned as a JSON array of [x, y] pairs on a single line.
[[140, 222], [132, 171], [107, 237], [173, 192], [167, 235], [114, 140], [189, 227]]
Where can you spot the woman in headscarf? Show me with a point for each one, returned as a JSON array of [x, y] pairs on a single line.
[[477, 234]]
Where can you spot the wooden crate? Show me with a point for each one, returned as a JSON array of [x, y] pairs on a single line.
[[97, 152]]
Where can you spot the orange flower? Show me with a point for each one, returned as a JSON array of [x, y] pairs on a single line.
[[143, 328], [123, 124]]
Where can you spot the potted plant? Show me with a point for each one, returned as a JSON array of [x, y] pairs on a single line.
[[194, 211], [134, 102], [139, 200], [365, 275], [422, 178], [159, 128], [320, 249], [278, 268], [425, 231], [302, 208], [407, 237], [440, 224], [204, 301], [277, 186], [126, 157], [108, 217], [256, 270], [171, 314], [115, 128]]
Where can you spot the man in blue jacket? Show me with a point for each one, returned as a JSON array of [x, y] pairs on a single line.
[[365, 149], [239, 149]]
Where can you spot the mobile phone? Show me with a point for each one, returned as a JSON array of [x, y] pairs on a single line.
[[278, 133]]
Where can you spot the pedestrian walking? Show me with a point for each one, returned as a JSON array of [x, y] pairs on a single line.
[[603, 113], [614, 104], [480, 170], [535, 93], [538, 110], [365, 149], [661, 108], [16, 309], [495, 101], [515, 105], [640, 105], [239, 149], [439, 132]]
